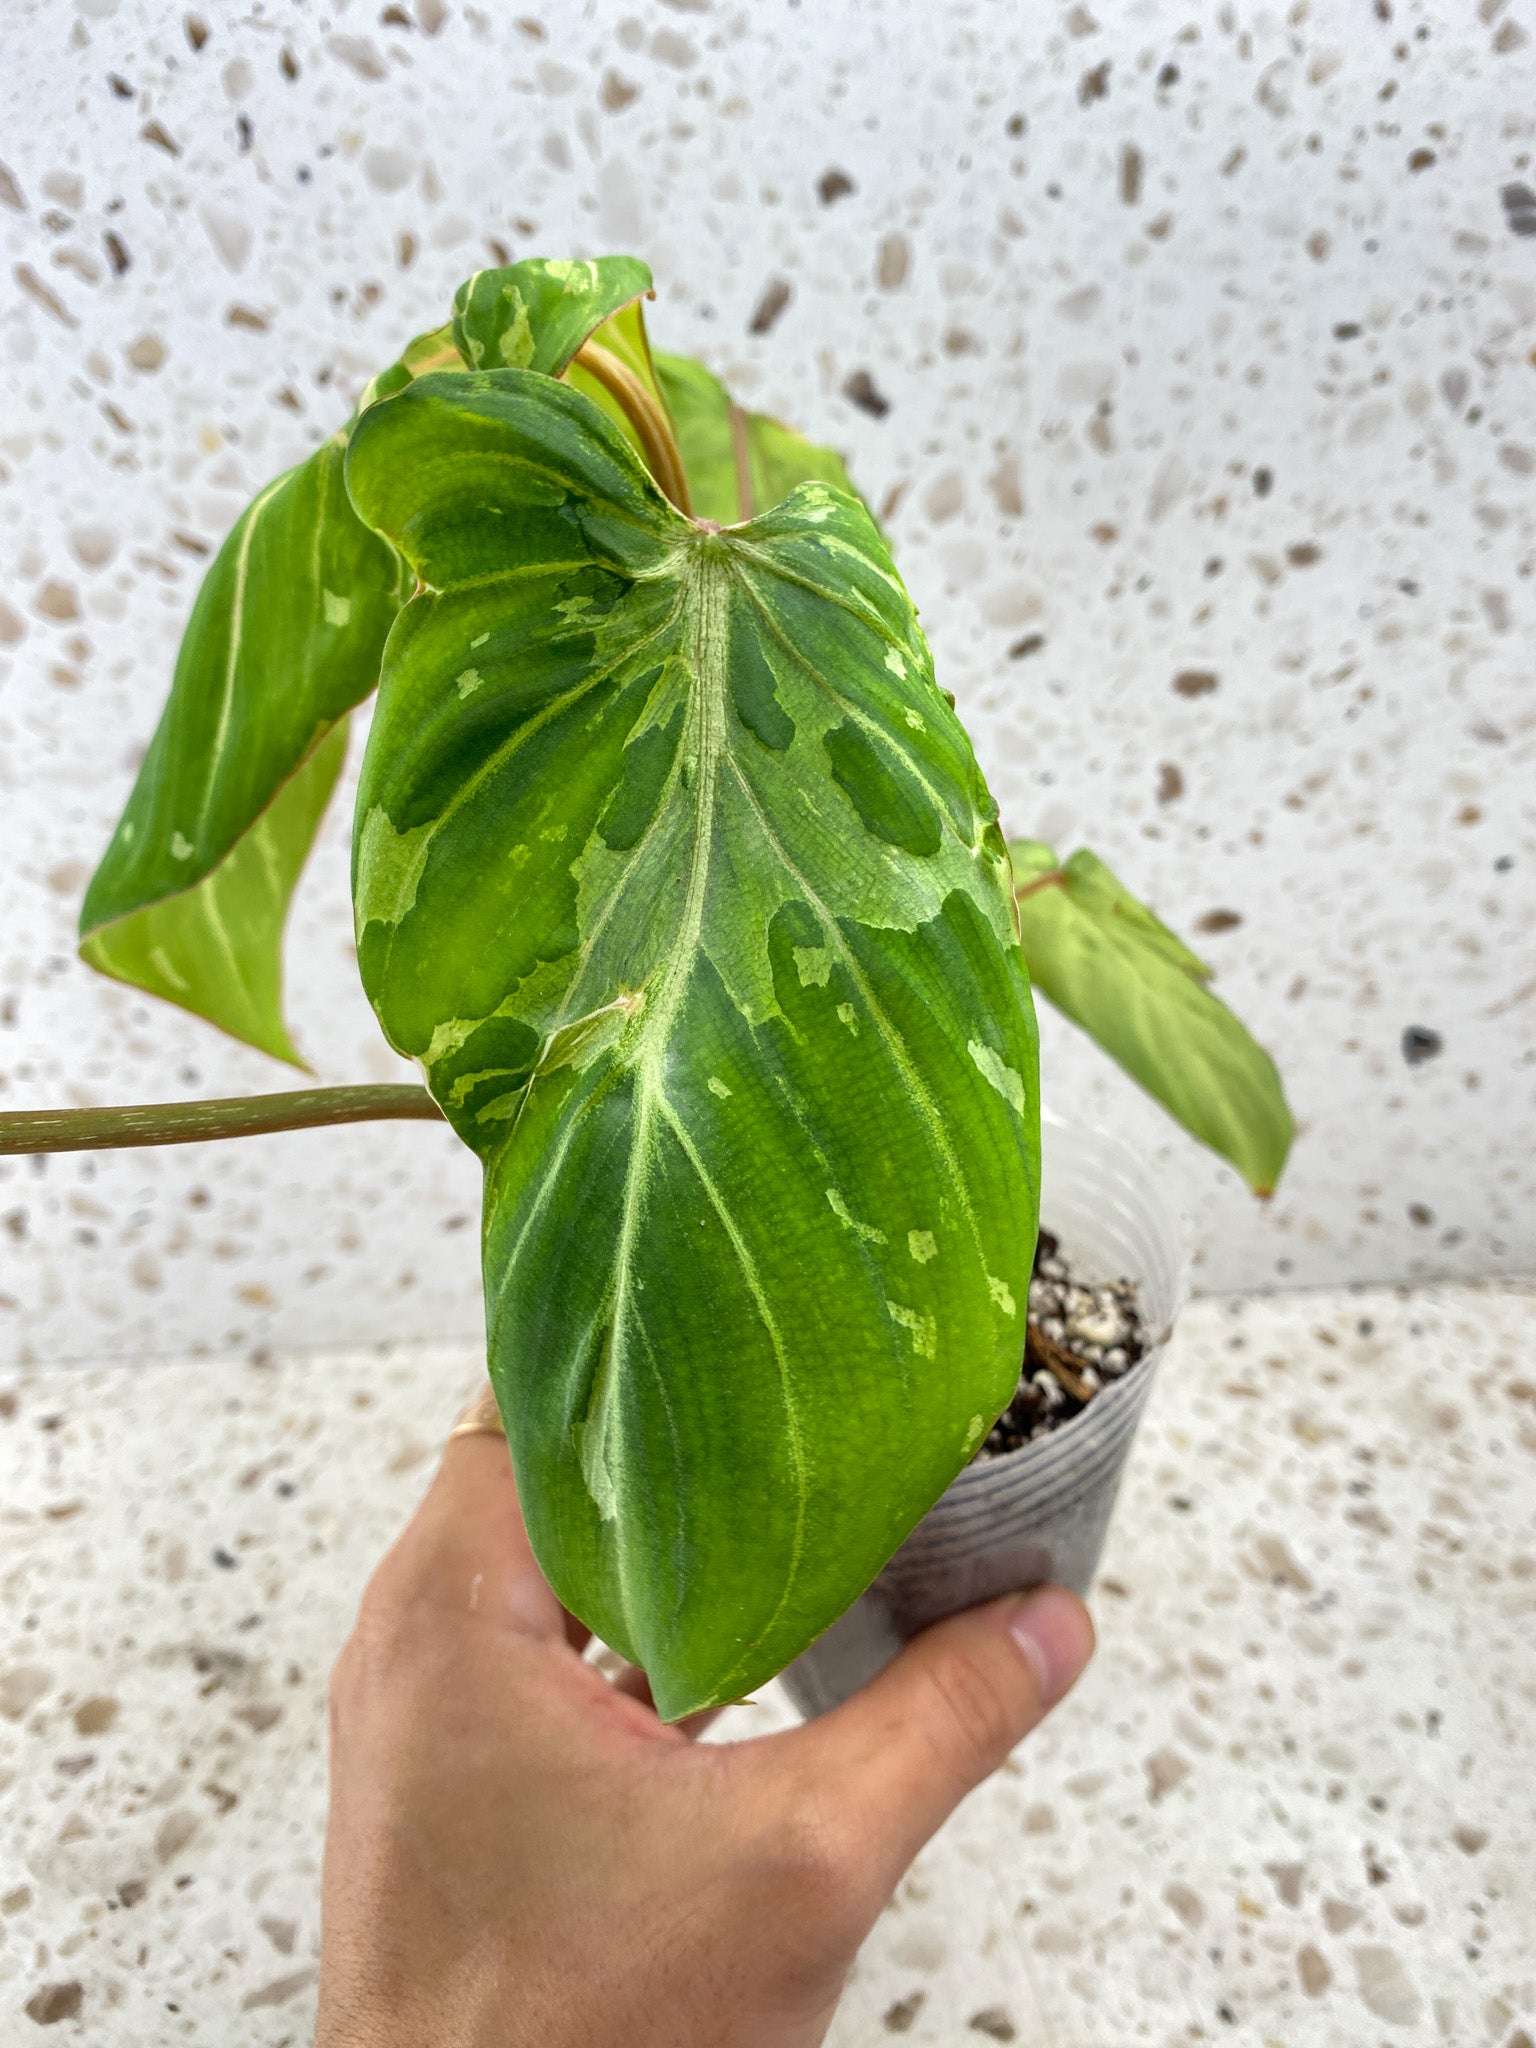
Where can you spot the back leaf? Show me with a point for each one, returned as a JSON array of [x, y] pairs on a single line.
[[216, 949], [285, 637], [1139, 992], [677, 874], [739, 463], [536, 314]]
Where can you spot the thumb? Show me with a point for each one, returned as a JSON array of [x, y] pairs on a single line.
[[943, 1714]]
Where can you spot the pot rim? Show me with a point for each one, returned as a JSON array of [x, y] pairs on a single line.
[[1168, 1222]]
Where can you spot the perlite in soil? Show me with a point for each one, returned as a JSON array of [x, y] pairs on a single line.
[[1080, 1336]]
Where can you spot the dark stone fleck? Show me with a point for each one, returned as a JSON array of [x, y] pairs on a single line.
[[117, 253], [992, 2020], [1263, 480], [861, 390], [776, 296], [1421, 1044], [834, 185], [1420, 159], [54, 2002], [1219, 921], [1346, 330], [899, 2017], [1094, 84], [1420, 1215], [120, 86], [224, 1561], [1030, 644], [1196, 682]]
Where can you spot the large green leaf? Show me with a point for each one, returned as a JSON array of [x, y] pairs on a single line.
[[738, 462], [285, 637], [1138, 990], [677, 874]]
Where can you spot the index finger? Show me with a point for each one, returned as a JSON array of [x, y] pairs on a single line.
[[466, 1546]]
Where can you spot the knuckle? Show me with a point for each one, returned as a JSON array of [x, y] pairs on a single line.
[[383, 1618], [970, 1708], [812, 1863], [375, 1651]]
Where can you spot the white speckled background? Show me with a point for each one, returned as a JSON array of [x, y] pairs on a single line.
[[1208, 341]]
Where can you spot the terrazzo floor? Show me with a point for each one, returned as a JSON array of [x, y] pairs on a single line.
[[1294, 1801]]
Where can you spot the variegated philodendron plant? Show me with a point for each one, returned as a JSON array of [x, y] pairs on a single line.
[[674, 871]]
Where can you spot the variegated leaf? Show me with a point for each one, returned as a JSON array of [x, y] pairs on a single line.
[[677, 874], [1114, 968], [536, 314], [216, 948], [285, 637]]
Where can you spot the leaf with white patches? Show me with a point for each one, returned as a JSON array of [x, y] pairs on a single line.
[[535, 315], [742, 1251]]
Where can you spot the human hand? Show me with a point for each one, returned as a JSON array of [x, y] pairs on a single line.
[[520, 1852]]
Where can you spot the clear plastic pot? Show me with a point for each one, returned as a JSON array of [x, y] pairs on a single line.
[[1042, 1511]]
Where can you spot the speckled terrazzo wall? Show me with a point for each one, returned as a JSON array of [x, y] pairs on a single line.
[[1189, 352]]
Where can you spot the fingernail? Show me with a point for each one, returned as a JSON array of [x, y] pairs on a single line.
[[1052, 1628]]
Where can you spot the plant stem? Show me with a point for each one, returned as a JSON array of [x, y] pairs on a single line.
[[1055, 879], [741, 455], [657, 441], [186, 1123]]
